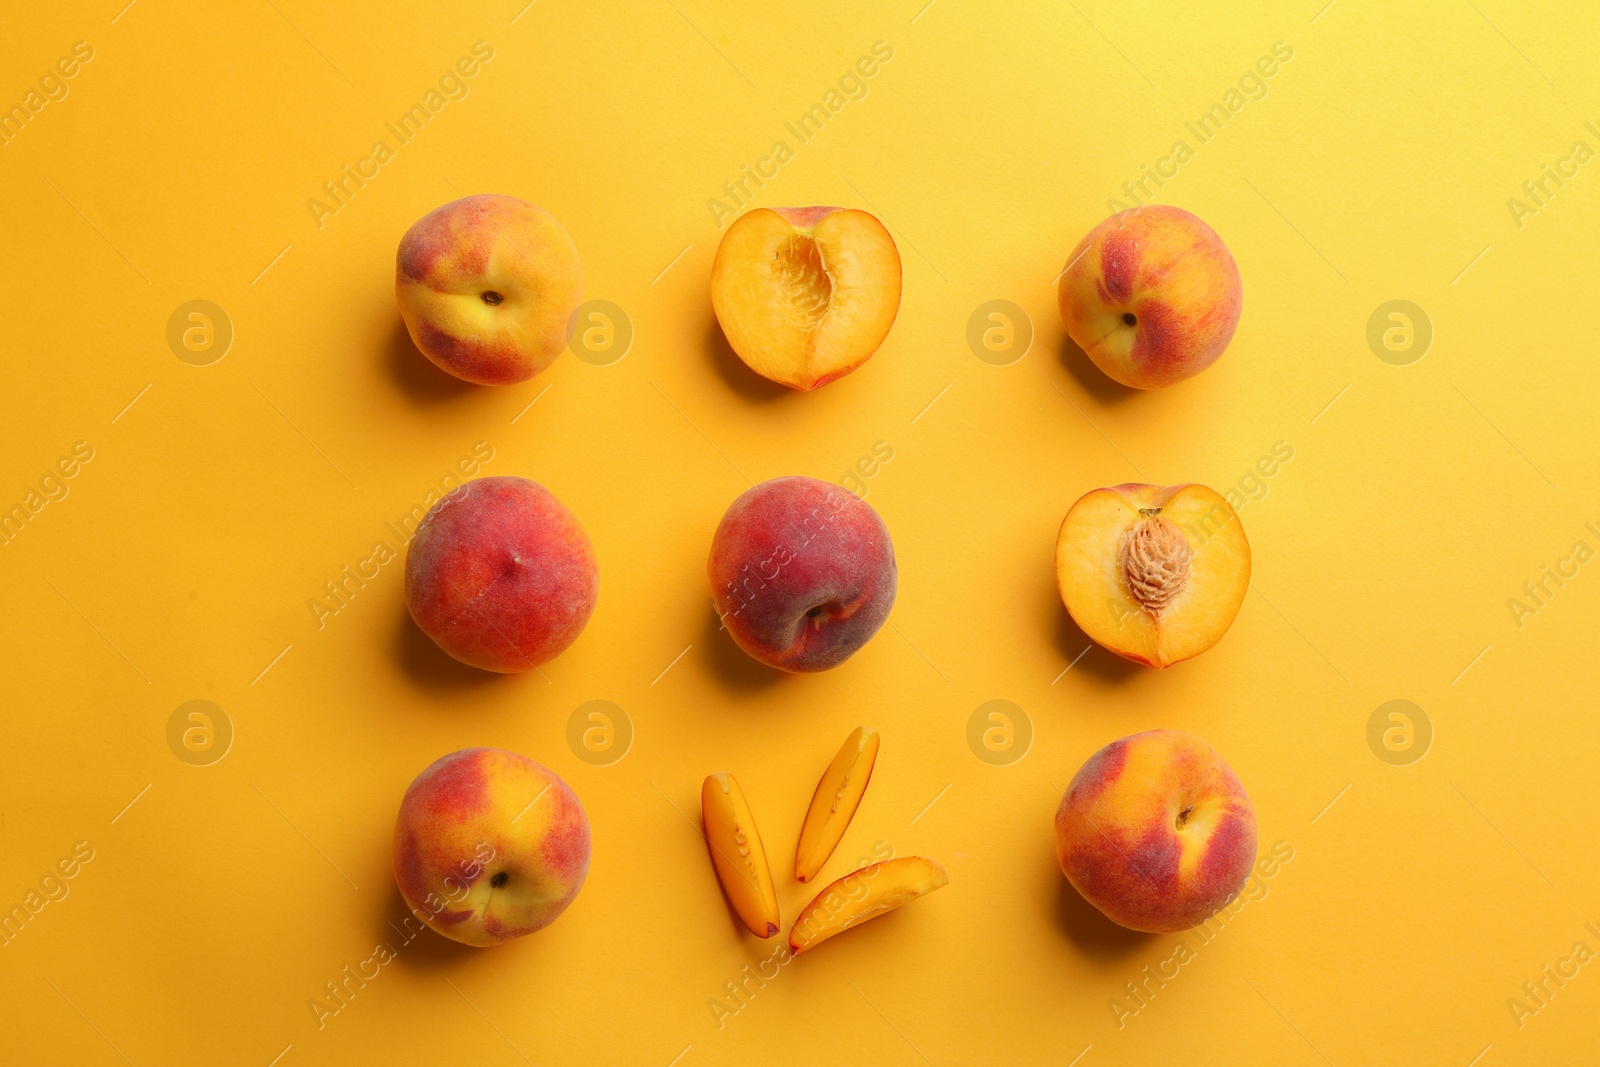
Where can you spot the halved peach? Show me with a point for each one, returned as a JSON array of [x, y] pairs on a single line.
[[1154, 573], [806, 294]]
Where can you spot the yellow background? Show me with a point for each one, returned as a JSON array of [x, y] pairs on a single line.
[[1377, 167]]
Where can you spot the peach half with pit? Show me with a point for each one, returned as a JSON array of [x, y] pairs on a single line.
[[1154, 573], [805, 294]]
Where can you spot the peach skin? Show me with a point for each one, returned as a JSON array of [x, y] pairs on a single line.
[[501, 575], [488, 286], [1151, 295], [805, 295], [802, 573], [1154, 573], [489, 846], [1156, 831]]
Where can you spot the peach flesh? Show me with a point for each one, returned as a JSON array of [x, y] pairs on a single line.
[[802, 573], [805, 295], [1155, 574], [501, 575]]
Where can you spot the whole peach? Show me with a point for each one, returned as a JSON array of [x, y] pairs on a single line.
[[501, 575], [802, 573], [489, 845], [488, 286], [1156, 831], [1151, 295]]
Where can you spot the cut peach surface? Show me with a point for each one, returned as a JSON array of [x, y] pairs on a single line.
[[737, 854], [865, 894], [806, 295], [1153, 573], [834, 803]]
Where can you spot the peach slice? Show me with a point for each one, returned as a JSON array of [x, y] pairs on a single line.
[[834, 803], [737, 855], [1153, 573], [862, 895], [806, 294]]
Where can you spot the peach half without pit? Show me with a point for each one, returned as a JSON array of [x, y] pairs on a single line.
[[1154, 573], [805, 294]]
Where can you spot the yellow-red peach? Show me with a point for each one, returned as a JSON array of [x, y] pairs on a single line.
[[488, 286], [802, 573], [501, 575], [1151, 295], [1156, 831], [489, 846]]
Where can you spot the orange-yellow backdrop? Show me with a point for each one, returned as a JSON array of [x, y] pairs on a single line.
[[1433, 473]]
